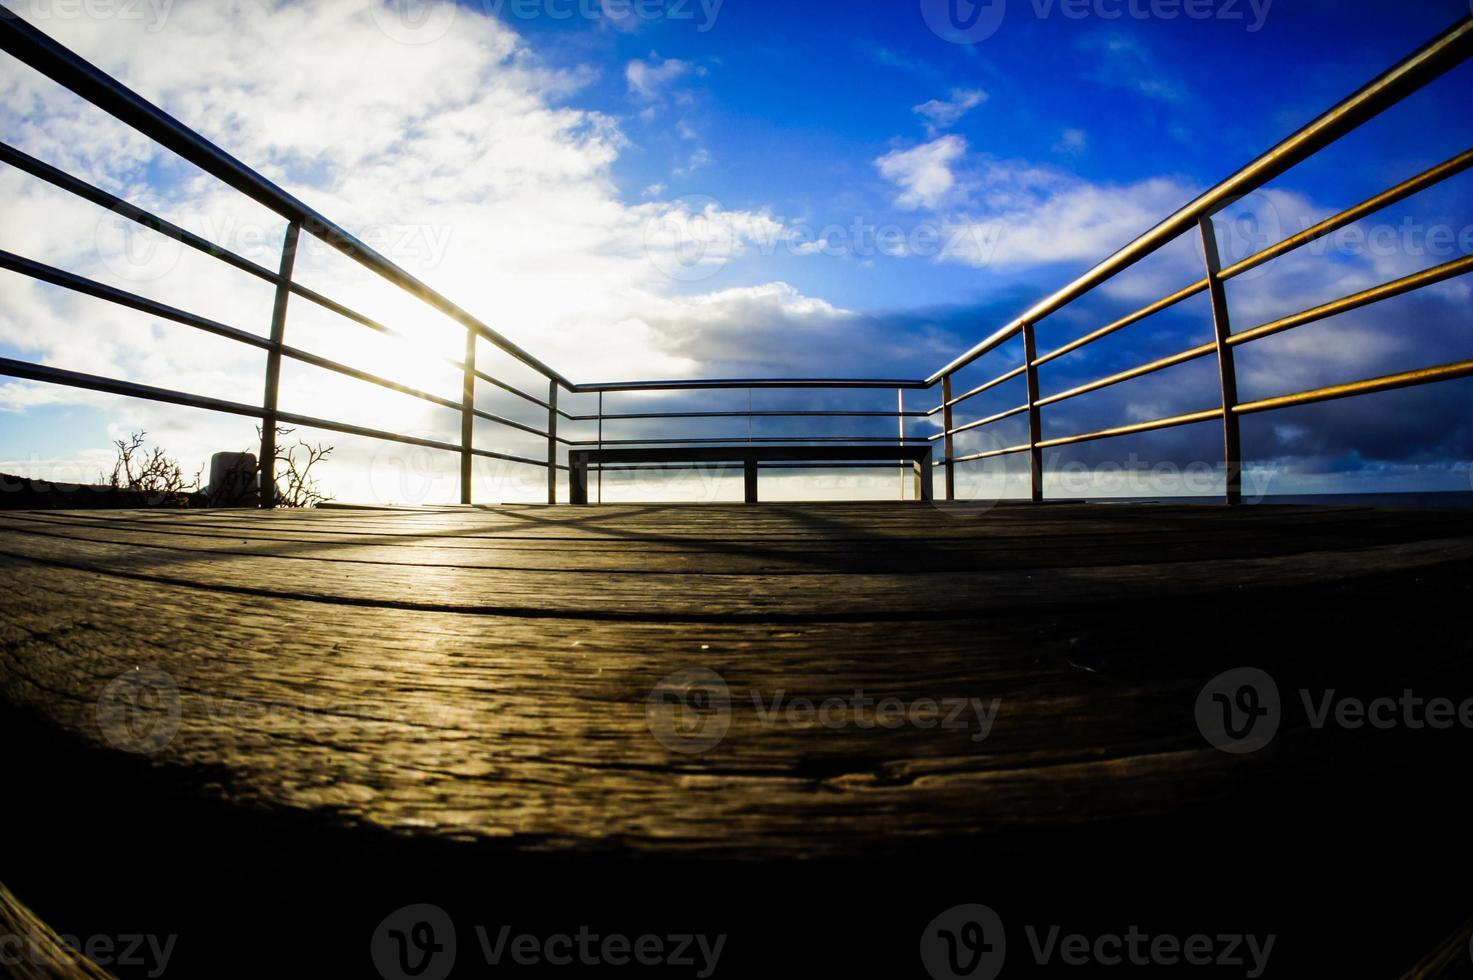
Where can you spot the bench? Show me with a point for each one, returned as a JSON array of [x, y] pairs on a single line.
[[751, 457]]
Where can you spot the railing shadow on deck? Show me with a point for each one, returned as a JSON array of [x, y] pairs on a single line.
[[24, 42]]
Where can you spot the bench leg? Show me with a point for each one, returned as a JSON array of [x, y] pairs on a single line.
[[578, 481], [924, 491], [749, 479]]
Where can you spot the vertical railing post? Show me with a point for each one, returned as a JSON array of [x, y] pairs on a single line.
[[600, 445], [900, 417], [273, 365], [552, 442], [946, 424], [1222, 329], [467, 415], [1035, 418]]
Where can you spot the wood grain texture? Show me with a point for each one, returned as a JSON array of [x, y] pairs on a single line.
[[486, 674]]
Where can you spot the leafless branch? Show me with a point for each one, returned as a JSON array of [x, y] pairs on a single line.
[[150, 472]]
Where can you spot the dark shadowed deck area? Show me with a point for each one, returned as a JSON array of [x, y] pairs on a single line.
[[469, 690]]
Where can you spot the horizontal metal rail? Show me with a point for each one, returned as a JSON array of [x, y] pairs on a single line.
[[1160, 364], [836, 465], [60, 179], [1126, 430], [1402, 191], [1329, 226], [746, 415], [1161, 304], [1389, 382], [44, 171], [1399, 287], [29, 45], [76, 379], [991, 454], [1406, 189], [1016, 372], [979, 423], [724, 441], [695, 385], [119, 297], [482, 376]]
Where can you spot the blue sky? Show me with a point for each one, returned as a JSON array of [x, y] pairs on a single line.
[[794, 102], [527, 163]]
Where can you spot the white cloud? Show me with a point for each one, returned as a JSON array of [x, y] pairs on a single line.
[[1072, 142], [923, 173], [1035, 216], [1122, 61], [943, 114], [650, 79]]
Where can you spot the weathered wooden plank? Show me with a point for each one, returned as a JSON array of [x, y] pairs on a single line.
[[832, 592], [537, 731], [735, 556]]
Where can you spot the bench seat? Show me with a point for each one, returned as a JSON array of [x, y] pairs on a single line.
[[751, 457]]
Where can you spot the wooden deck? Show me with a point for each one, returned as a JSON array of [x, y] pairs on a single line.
[[475, 685]]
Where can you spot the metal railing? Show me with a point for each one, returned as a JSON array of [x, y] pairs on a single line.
[[1435, 59], [900, 415], [29, 45], [22, 41]]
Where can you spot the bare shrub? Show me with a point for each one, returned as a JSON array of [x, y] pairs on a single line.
[[152, 473], [295, 485]]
